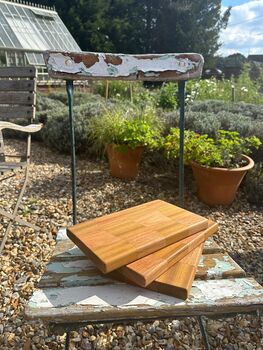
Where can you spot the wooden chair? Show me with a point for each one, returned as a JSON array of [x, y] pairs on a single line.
[[17, 101]]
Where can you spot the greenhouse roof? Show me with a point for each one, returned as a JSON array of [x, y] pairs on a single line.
[[33, 29]]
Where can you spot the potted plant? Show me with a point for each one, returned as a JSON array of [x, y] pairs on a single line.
[[124, 135], [219, 164]]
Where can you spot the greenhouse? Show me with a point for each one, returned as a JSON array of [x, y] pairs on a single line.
[[27, 30]]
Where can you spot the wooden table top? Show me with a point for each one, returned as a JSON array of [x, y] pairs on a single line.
[[74, 290]]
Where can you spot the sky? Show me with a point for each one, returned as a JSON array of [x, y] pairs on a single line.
[[244, 32]]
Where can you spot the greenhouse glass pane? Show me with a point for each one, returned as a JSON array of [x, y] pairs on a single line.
[[7, 34], [26, 33], [5, 38], [2, 58], [11, 58], [20, 58], [35, 58], [33, 28]]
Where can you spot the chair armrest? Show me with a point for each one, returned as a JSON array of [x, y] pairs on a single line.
[[29, 128]]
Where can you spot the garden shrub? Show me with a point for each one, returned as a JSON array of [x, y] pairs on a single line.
[[55, 134], [247, 119], [247, 109], [209, 116], [246, 89], [79, 97], [44, 102], [117, 88], [167, 98], [253, 185], [204, 117]]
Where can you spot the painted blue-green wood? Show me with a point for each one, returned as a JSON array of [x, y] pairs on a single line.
[[70, 90]]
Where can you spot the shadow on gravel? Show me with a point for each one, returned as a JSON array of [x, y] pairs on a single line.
[[251, 262]]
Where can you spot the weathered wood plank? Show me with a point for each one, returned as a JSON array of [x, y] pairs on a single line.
[[211, 247], [216, 266], [17, 85], [17, 72], [19, 112], [17, 98], [78, 270], [67, 250], [120, 301], [153, 67], [6, 167]]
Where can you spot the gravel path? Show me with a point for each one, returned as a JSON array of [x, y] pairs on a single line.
[[47, 204]]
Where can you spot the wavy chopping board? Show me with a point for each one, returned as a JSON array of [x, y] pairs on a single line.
[[177, 280], [144, 271], [118, 239]]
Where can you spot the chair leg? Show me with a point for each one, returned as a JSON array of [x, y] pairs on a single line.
[[19, 220], [67, 343], [14, 214]]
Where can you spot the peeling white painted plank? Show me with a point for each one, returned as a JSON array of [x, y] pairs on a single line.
[[92, 65], [69, 273], [116, 295], [62, 234], [219, 293]]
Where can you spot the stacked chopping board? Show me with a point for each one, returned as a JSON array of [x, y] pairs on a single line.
[[155, 245]]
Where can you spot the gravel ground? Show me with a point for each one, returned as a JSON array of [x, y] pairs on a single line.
[[47, 204]]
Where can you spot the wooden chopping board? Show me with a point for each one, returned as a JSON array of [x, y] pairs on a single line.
[[177, 280], [144, 271], [118, 239]]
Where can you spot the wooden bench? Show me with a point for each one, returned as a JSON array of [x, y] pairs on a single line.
[[17, 102], [73, 292]]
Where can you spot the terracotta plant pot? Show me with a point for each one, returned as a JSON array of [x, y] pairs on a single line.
[[124, 165], [219, 185]]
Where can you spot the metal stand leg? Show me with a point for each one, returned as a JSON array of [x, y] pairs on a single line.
[[181, 125], [69, 86], [67, 341], [204, 333]]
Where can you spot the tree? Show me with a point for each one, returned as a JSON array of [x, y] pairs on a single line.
[[144, 26]]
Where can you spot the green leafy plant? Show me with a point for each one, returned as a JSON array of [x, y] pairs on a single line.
[[116, 89], [246, 89], [126, 129], [225, 150], [167, 97]]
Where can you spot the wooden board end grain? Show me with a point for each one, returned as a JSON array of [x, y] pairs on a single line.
[[144, 271], [118, 239]]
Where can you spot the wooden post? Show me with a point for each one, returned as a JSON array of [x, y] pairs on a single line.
[[107, 91]]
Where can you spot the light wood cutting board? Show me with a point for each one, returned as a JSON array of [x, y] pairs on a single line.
[[147, 269], [177, 280], [118, 239]]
